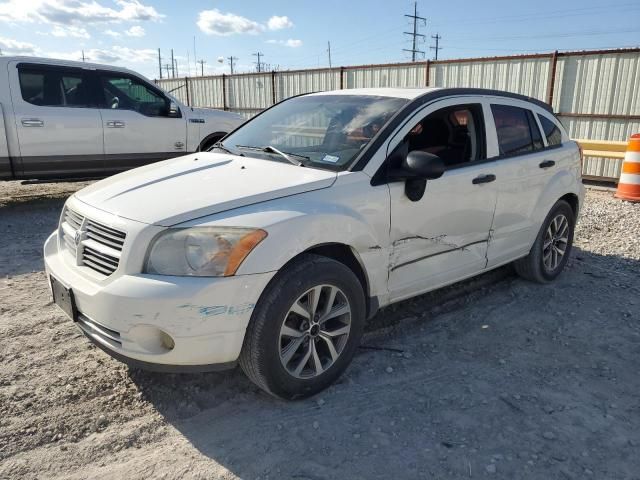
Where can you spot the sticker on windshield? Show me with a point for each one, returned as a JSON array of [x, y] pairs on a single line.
[[330, 158]]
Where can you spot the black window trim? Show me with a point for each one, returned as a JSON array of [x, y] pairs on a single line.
[[544, 136], [85, 73]]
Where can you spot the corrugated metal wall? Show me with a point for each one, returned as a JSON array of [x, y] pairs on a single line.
[[596, 94]]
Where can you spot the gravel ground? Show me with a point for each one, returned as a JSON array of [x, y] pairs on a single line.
[[493, 378]]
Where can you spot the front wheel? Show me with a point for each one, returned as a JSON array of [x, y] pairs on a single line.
[[552, 247], [305, 329]]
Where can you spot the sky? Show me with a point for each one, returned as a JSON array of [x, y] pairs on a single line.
[[295, 34]]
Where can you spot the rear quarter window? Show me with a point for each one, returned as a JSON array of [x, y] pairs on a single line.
[[551, 131], [513, 130]]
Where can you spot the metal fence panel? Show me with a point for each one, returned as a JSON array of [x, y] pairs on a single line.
[[598, 83], [527, 76], [206, 92], [411, 75], [249, 91], [289, 84], [174, 86]]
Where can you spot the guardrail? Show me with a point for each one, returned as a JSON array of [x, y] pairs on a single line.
[[602, 159]]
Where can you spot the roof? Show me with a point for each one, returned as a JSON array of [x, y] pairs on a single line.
[[66, 63], [433, 93]]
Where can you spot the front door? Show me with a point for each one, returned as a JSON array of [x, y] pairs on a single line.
[[59, 128], [138, 128], [443, 236]]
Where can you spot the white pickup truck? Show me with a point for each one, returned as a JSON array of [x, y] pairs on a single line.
[[73, 119]]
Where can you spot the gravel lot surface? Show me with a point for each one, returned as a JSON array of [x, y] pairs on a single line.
[[493, 378]]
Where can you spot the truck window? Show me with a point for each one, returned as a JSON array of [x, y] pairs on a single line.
[[127, 93], [53, 88]]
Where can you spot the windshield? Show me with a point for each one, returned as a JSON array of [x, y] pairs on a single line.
[[323, 131]]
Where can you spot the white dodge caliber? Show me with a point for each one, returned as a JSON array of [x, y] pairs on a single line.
[[272, 249]]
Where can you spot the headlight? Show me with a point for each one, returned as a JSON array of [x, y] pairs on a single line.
[[201, 251]]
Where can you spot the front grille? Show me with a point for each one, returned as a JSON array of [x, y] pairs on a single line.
[[92, 244], [112, 337]]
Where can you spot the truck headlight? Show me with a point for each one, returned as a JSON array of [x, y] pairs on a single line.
[[201, 251]]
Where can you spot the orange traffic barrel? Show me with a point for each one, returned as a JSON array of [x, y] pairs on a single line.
[[629, 184]]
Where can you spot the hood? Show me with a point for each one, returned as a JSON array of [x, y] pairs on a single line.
[[185, 188]]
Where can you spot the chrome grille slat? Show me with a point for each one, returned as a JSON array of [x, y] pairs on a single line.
[[100, 246], [91, 327]]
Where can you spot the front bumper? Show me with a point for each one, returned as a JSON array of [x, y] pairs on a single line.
[[131, 316]]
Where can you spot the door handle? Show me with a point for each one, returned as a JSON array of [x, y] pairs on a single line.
[[179, 144], [486, 178], [32, 122], [547, 164], [115, 124]]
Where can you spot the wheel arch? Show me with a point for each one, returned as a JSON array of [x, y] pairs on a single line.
[[210, 138]]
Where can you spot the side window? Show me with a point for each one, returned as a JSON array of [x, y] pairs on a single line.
[[455, 134], [516, 130], [127, 93], [53, 87], [551, 131]]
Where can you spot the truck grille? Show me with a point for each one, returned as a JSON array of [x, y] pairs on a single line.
[[92, 244]]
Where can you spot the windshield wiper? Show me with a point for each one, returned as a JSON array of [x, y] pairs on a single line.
[[220, 146], [272, 149]]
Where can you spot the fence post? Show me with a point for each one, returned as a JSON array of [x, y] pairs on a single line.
[[341, 78], [426, 76], [273, 87], [186, 85], [552, 80], [224, 92]]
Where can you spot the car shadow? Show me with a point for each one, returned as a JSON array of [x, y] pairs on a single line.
[[419, 418]]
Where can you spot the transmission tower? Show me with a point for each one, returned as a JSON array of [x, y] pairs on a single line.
[[437, 46], [415, 33]]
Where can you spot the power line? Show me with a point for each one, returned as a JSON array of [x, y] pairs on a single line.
[[437, 38], [258, 64], [415, 33]]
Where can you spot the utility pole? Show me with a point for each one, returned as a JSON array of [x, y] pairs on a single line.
[[160, 64], [176, 64], [173, 70], [83, 57], [195, 55], [437, 38], [258, 64], [201, 62], [329, 52], [167, 67], [415, 33], [232, 59]]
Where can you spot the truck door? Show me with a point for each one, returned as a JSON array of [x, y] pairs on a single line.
[[59, 127], [140, 125]]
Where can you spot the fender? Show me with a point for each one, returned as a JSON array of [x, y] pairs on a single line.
[[301, 222], [562, 183]]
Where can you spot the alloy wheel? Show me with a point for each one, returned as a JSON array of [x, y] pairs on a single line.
[[314, 331], [555, 243]]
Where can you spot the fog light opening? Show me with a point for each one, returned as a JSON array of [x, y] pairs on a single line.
[[167, 341]]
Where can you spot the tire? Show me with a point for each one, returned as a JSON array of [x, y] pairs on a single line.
[[277, 325], [542, 265]]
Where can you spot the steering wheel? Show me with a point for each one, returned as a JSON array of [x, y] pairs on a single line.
[[115, 102]]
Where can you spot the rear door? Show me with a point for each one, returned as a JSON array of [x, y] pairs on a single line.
[[523, 169], [59, 127], [138, 125]]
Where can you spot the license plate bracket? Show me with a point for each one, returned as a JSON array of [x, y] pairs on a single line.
[[63, 297]]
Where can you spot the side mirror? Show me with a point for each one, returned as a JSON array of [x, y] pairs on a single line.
[[174, 110], [423, 165]]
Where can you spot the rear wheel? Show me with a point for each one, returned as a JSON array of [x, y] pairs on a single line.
[[305, 329], [552, 247]]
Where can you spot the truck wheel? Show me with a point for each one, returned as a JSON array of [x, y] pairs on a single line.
[[305, 329], [552, 247]]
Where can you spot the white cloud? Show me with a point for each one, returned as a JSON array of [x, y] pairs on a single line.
[[14, 47], [278, 23], [287, 43], [112, 33], [75, 12], [214, 22], [135, 31], [70, 31]]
